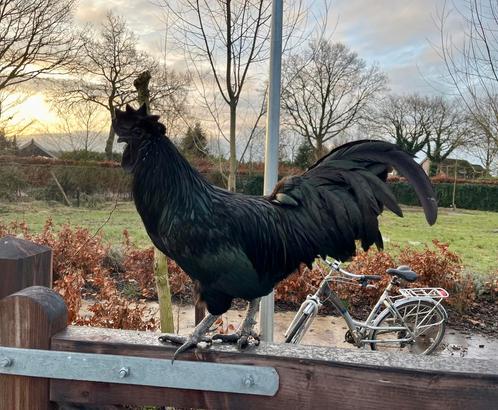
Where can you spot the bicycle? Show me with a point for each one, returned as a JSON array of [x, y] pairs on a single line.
[[412, 321]]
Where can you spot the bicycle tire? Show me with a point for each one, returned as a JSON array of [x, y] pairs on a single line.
[[300, 324], [425, 342]]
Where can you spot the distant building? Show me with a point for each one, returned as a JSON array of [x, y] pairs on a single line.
[[464, 169], [34, 149]]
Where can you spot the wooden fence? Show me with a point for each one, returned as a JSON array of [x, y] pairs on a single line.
[[309, 377]]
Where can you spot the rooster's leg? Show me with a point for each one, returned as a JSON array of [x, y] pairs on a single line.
[[245, 332], [198, 335]]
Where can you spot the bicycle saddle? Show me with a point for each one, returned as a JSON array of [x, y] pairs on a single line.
[[403, 272]]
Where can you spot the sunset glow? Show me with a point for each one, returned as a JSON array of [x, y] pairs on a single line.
[[35, 109]]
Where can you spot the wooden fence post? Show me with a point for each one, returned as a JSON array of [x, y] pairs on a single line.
[[161, 274], [28, 319], [22, 264]]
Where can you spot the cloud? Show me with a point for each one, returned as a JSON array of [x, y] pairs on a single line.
[[143, 17], [399, 35]]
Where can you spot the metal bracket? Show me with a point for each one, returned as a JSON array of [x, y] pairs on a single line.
[[218, 377]]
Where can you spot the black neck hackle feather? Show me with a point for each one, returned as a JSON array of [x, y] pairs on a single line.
[[239, 245]]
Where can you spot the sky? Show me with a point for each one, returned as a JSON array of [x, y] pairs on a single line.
[[401, 36]]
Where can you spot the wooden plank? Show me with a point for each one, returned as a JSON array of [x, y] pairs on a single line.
[[23, 264], [310, 377], [28, 319]]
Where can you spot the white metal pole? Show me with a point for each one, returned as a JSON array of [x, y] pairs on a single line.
[[271, 147]]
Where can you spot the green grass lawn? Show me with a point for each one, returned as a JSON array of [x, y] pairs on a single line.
[[471, 234]]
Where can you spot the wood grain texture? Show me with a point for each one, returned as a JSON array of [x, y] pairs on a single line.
[[28, 319], [23, 264], [310, 377], [200, 312]]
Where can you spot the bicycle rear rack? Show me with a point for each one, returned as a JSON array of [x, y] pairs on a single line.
[[433, 293]]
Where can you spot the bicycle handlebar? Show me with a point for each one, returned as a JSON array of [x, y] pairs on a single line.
[[336, 266]]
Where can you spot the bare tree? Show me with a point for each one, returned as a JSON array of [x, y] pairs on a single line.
[[483, 131], [448, 130], [35, 38], [230, 36], [325, 91], [405, 119], [228, 39], [168, 97], [110, 61], [80, 127], [10, 123], [472, 62]]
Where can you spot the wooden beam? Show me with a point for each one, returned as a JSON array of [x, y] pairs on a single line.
[[28, 319], [310, 377]]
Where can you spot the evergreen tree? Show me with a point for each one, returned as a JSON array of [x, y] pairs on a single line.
[[194, 143], [304, 157]]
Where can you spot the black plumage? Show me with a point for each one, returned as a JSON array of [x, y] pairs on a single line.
[[238, 245]]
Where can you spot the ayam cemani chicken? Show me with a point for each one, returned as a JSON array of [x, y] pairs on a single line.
[[241, 246]]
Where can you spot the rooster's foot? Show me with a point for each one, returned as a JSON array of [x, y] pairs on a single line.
[[185, 342], [242, 338], [197, 338], [180, 340]]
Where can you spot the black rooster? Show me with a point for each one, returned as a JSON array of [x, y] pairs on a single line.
[[240, 246]]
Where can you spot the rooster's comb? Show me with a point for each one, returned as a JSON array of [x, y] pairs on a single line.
[[141, 113]]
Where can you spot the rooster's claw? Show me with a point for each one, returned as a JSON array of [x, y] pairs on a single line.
[[185, 342], [243, 339]]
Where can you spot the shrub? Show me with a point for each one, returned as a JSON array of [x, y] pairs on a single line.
[[82, 155], [79, 271], [138, 264], [436, 267], [439, 267], [85, 267]]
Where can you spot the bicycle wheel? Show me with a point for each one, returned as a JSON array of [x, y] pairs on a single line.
[[424, 319], [296, 333]]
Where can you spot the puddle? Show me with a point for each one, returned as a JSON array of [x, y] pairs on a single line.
[[330, 331], [464, 345]]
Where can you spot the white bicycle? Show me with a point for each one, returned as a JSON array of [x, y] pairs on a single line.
[[412, 321]]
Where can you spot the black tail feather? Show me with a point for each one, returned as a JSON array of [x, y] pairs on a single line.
[[366, 152]]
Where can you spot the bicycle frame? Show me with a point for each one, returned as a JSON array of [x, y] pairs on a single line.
[[358, 329]]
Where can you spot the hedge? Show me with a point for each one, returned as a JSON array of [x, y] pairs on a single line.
[[467, 196], [482, 197], [36, 181], [106, 179]]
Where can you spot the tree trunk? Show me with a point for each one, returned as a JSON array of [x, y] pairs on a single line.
[[319, 149], [232, 176], [110, 141], [161, 274]]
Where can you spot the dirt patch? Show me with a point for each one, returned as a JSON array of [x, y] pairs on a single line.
[[481, 318]]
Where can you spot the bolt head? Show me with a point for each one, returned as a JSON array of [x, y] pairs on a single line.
[[6, 362], [124, 372], [248, 380]]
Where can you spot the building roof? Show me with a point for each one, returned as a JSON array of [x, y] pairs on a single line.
[[34, 149]]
